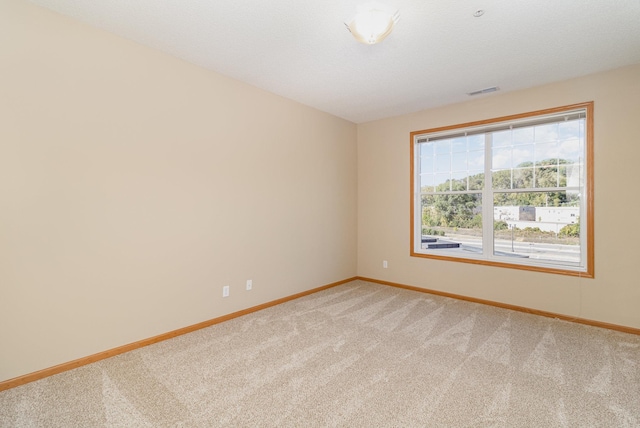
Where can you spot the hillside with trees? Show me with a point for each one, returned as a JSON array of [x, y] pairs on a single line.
[[464, 210]]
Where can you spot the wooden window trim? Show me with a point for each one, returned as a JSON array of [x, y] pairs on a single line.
[[588, 191]]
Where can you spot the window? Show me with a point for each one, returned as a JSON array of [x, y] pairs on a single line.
[[514, 191]]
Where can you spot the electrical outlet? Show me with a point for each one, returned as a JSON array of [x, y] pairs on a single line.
[[385, 264], [225, 291], [249, 284]]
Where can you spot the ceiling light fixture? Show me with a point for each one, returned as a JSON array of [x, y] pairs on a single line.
[[373, 22]]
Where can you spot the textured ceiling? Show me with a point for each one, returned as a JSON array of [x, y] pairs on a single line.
[[438, 52]]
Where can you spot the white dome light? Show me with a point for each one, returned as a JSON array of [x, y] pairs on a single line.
[[373, 22]]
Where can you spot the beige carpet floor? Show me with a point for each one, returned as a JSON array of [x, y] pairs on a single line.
[[357, 355]]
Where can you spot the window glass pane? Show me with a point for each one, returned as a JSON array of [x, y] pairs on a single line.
[[459, 144], [569, 129], [502, 179], [443, 163], [546, 153], [501, 158], [476, 180], [522, 135], [570, 150], [426, 164], [459, 182], [562, 176], [522, 155], [501, 138], [547, 176], [459, 161], [523, 178], [443, 182], [452, 222], [475, 142], [543, 200], [574, 175], [442, 146], [542, 226], [548, 132], [476, 160], [427, 182], [427, 149]]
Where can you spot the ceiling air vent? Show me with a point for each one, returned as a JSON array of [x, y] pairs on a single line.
[[483, 91]]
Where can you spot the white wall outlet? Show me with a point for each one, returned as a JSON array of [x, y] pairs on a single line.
[[225, 291], [249, 284], [385, 264]]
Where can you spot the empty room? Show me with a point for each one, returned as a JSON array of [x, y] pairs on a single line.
[[341, 213]]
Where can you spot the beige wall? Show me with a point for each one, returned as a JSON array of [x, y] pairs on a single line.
[[133, 186], [383, 204]]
